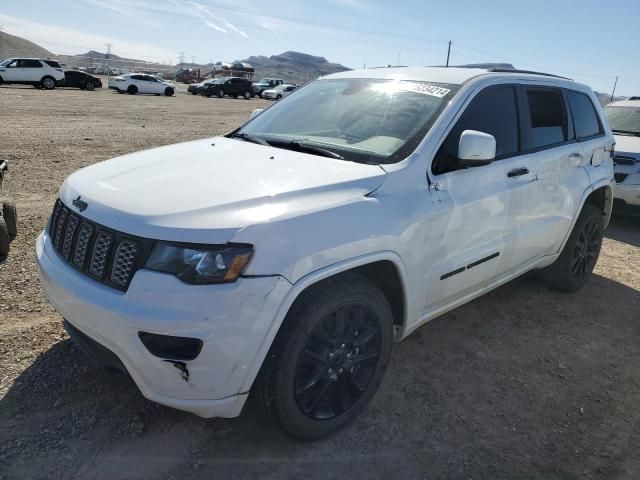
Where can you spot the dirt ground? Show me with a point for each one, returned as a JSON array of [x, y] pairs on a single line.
[[522, 383]]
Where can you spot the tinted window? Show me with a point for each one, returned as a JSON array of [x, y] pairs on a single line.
[[71, 74], [548, 123], [52, 63], [585, 119], [31, 64], [494, 112], [138, 77]]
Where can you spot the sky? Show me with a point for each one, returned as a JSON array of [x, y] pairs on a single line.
[[589, 41]]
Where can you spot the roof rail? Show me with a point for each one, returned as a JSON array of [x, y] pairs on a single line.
[[531, 72]]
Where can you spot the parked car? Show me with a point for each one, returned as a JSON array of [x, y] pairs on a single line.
[[278, 92], [266, 84], [232, 86], [624, 120], [133, 83], [81, 80], [46, 74], [286, 257], [196, 88]]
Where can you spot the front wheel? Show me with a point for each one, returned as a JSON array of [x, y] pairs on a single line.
[[4, 239], [132, 89], [169, 91], [573, 267], [328, 358], [90, 86], [247, 95], [278, 97], [10, 215], [220, 94]]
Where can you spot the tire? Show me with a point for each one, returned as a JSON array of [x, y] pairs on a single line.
[[194, 93], [220, 93], [10, 215], [48, 83], [169, 91], [4, 239], [278, 97], [317, 408], [247, 95], [571, 271], [132, 89], [90, 86]]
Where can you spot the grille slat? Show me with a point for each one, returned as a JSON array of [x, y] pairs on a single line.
[[100, 256], [107, 256]]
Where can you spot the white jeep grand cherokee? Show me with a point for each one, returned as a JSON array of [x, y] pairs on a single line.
[[286, 257]]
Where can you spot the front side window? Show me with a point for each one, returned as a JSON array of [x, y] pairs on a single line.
[[361, 119], [492, 111], [585, 119], [547, 119], [623, 120]]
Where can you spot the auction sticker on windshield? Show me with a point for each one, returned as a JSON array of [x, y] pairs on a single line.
[[428, 89]]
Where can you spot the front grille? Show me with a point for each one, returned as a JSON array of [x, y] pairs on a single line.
[[106, 255], [620, 177]]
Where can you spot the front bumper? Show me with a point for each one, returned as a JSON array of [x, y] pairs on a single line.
[[232, 320]]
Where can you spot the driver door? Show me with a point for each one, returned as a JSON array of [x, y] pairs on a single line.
[[14, 72], [482, 211]]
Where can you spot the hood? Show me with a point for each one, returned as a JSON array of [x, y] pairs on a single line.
[[205, 191], [627, 145]]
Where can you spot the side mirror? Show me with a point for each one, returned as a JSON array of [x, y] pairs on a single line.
[[256, 112], [476, 148]]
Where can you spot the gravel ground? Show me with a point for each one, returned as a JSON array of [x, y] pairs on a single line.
[[522, 383]]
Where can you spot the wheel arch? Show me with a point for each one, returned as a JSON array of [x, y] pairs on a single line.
[[384, 268]]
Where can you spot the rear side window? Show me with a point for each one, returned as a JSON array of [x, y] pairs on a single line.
[[137, 77], [492, 111], [548, 122], [52, 63], [585, 119]]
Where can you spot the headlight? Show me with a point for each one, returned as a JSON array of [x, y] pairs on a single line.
[[200, 264]]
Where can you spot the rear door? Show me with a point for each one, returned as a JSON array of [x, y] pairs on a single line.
[[72, 78], [33, 70], [557, 160]]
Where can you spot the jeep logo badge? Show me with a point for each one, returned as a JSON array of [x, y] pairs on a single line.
[[81, 204]]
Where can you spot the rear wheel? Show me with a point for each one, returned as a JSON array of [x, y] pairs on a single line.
[[573, 267], [169, 91], [10, 215], [247, 95], [48, 83], [220, 93], [328, 358], [132, 89], [4, 239]]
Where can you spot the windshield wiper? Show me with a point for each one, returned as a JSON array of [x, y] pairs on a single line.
[[305, 147], [250, 138], [626, 132]]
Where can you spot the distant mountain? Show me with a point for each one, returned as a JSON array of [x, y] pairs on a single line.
[[605, 98], [12, 46], [293, 66]]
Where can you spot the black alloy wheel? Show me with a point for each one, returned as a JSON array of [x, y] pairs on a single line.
[[586, 249], [338, 361]]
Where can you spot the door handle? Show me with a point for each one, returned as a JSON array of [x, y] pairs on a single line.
[[516, 172]]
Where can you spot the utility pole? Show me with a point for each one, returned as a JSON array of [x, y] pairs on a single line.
[[107, 55], [181, 57], [398, 61], [614, 89], [448, 52], [193, 59]]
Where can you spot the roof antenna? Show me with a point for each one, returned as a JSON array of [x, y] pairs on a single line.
[[448, 52]]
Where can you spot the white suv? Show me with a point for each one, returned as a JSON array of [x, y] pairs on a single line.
[[32, 71], [286, 257], [133, 83], [624, 120]]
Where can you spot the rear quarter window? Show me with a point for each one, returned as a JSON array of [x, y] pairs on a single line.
[[585, 118], [52, 63]]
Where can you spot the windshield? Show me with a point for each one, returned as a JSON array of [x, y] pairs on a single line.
[[363, 120], [5, 62], [624, 119]]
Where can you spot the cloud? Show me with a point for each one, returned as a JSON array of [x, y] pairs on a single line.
[[269, 26], [129, 10], [211, 20], [68, 41]]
